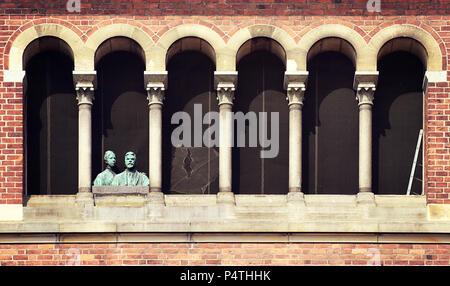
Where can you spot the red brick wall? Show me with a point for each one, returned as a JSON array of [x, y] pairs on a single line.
[[291, 16], [227, 7], [438, 144], [224, 254], [11, 142]]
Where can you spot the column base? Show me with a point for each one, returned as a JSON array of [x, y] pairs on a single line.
[[365, 198], [224, 197], [84, 198], [295, 197], [156, 197]]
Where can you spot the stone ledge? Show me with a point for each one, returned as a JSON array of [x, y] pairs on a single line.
[[282, 237], [231, 226], [120, 190]]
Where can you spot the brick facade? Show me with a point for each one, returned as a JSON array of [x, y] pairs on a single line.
[[226, 18], [214, 254], [11, 143], [228, 7], [437, 186]]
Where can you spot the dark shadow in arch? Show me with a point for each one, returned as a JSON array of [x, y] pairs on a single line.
[[260, 83], [330, 127], [397, 118], [120, 111], [189, 170], [51, 125]]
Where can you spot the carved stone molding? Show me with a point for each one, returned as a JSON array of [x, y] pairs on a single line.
[[365, 83], [225, 85], [85, 93], [225, 93], [85, 83], [365, 94], [155, 84], [295, 84], [155, 93], [296, 93]]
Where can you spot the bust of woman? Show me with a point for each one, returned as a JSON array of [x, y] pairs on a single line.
[[106, 177]]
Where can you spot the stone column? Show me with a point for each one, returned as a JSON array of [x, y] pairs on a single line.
[[295, 84], [365, 85], [155, 84], [225, 83], [84, 82]]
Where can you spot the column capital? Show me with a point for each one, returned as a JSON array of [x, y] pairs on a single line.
[[85, 83], [295, 84], [365, 94], [225, 93], [295, 93], [155, 84], [365, 83], [225, 85], [155, 93]]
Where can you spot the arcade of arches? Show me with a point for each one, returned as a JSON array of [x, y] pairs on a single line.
[[329, 143]]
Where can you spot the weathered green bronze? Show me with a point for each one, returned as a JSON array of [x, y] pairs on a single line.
[[130, 177], [106, 177]]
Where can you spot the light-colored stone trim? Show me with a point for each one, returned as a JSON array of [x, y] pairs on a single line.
[[438, 212], [13, 76], [225, 53], [434, 60], [11, 212], [268, 31], [50, 29], [158, 52], [436, 76], [115, 30], [373, 238], [336, 31], [240, 213]]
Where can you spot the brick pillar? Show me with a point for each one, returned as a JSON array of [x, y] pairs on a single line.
[[11, 145], [436, 143]]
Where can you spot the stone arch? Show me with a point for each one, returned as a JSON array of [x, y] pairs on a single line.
[[434, 59], [267, 31], [334, 31], [111, 31], [191, 44], [21, 42], [159, 50]]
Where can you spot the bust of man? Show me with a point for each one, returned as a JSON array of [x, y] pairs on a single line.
[[130, 177], [106, 177]]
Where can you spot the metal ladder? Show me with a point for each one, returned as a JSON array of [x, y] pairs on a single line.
[[413, 167]]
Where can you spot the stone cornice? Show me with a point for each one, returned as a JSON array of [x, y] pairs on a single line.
[[295, 78], [225, 78]]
